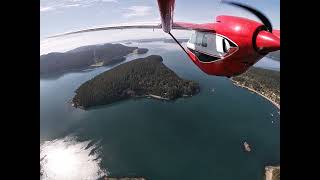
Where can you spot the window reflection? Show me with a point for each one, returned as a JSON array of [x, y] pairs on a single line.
[[209, 46]]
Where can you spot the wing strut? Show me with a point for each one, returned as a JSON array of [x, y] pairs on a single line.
[[179, 44]]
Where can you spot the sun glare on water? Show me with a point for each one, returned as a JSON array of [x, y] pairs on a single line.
[[71, 160]]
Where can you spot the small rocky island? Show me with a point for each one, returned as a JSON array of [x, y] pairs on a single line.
[[261, 81], [247, 147], [138, 78], [86, 57]]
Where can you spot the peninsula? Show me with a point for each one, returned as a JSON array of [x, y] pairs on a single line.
[[264, 82], [86, 57], [142, 77]]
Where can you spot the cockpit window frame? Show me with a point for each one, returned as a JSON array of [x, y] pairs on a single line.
[[219, 58], [199, 39], [204, 44]]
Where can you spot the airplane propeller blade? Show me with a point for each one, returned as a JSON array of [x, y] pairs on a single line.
[[261, 16]]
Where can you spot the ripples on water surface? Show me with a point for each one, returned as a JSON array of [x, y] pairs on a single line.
[[68, 158], [193, 138]]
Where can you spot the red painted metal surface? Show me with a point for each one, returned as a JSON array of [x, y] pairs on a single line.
[[267, 42], [252, 41], [166, 8], [251, 38], [192, 26], [244, 33]]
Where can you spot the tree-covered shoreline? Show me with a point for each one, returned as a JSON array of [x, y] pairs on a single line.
[[86, 57], [140, 77], [265, 82]]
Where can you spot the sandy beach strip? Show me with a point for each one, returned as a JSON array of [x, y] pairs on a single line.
[[273, 102]]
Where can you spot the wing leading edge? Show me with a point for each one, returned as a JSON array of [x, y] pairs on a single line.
[[166, 9], [176, 25], [109, 28]]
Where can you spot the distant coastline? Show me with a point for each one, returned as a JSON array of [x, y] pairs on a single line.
[[86, 57], [252, 90], [263, 82]]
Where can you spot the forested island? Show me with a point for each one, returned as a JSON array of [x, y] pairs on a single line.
[[85, 57], [262, 81], [138, 78]]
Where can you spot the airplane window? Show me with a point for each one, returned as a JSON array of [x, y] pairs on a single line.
[[204, 57], [193, 38], [204, 41], [219, 44], [231, 44], [209, 47], [226, 45], [199, 38]]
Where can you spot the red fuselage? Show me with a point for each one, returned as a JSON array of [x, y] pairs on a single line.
[[241, 31], [251, 38]]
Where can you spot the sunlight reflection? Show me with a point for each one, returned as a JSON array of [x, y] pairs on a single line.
[[69, 159]]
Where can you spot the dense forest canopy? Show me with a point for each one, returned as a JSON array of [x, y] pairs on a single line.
[[139, 77]]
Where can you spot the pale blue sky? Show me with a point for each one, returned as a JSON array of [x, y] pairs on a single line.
[[57, 16]]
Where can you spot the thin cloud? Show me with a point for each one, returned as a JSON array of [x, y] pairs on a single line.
[[44, 9], [115, 1], [49, 5], [72, 5], [134, 11]]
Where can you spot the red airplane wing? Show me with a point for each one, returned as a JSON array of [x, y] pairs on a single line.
[[177, 26], [143, 26], [192, 26], [166, 9]]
